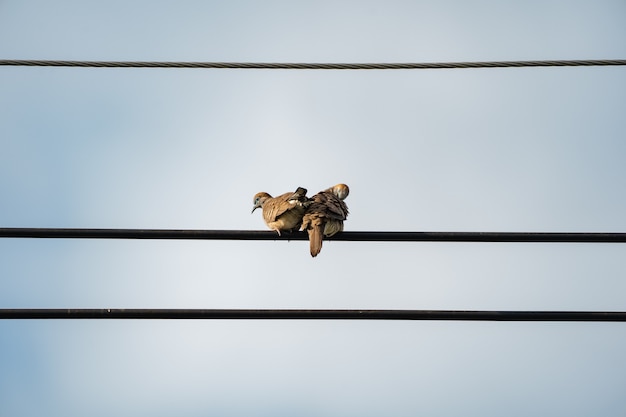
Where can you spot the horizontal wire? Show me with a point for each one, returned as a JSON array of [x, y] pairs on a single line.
[[358, 236], [256, 314], [311, 66]]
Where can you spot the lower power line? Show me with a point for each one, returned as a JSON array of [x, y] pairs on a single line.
[[271, 314]]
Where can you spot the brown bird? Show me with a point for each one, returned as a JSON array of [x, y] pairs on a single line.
[[325, 215], [283, 212]]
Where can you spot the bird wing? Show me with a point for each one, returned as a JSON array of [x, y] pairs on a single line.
[[277, 206]]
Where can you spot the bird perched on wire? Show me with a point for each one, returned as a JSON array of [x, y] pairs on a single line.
[[282, 213], [325, 215]]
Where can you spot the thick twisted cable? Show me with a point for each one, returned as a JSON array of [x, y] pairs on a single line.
[[312, 66]]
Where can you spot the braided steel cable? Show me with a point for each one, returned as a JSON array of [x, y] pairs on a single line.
[[312, 66]]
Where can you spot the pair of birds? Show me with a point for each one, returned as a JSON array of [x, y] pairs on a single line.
[[321, 215]]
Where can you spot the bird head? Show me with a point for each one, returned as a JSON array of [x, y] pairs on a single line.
[[340, 191], [259, 199]]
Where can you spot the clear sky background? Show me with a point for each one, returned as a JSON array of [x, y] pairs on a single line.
[[531, 149]]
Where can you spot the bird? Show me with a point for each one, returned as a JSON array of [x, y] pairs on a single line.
[[282, 213], [325, 215]]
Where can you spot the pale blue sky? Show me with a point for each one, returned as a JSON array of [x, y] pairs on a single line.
[[532, 149]]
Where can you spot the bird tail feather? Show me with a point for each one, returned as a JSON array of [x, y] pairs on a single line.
[[315, 240]]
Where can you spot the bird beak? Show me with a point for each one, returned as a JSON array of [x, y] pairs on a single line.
[[255, 207]]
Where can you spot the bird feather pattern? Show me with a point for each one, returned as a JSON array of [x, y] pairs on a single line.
[[282, 213], [325, 215]]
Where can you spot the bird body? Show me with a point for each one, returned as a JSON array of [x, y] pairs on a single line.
[[325, 215], [282, 213]]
